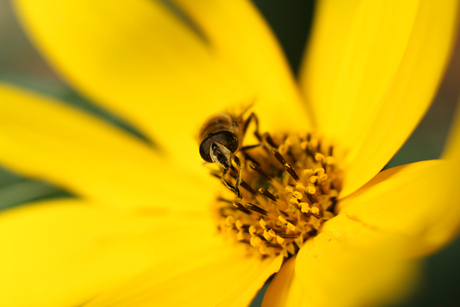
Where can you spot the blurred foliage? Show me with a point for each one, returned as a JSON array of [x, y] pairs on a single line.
[[290, 20]]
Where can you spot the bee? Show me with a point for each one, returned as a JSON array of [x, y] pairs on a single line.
[[221, 137]]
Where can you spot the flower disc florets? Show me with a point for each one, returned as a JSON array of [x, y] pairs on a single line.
[[289, 189]]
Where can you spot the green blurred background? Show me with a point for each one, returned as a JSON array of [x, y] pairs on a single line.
[[20, 64]]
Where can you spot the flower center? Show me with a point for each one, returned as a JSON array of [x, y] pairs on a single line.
[[289, 187]]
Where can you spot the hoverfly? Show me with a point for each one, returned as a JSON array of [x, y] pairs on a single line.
[[221, 137]]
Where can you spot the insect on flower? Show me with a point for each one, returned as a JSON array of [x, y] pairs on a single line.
[[148, 227], [220, 138]]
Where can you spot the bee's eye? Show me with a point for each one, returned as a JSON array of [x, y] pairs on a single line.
[[226, 138], [204, 149]]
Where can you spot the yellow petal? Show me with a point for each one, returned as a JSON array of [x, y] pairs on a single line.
[[63, 253], [371, 71], [240, 36], [252, 281], [406, 211], [143, 60], [43, 138], [285, 289], [334, 276], [223, 276]]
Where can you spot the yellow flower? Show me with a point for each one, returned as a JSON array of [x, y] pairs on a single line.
[[142, 233]]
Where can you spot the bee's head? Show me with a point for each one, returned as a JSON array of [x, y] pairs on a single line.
[[219, 148]]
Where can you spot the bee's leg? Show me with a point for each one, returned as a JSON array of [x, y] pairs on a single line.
[[231, 187], [253, 117], [239, 175]]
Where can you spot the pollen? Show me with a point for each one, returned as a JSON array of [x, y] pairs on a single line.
[[289, 187]]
